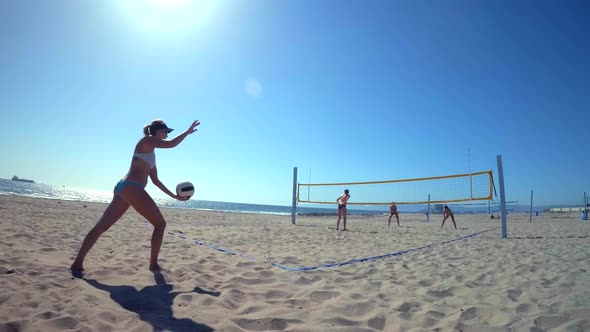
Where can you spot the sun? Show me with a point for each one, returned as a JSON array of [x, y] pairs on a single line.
[[168, 18], [170, 4]]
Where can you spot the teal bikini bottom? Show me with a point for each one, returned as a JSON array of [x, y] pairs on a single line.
[[122, 184]]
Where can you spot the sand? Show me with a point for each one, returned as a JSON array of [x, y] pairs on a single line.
[[537, 280]]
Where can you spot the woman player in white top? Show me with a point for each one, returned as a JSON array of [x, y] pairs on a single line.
[[130, 192], [342, 208]]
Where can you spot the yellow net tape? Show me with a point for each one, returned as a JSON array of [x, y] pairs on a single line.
[[442, 189]]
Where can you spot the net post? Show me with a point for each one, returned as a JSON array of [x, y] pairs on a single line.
[[470, 179], [428, 210], [585, 208], [502, 196], [294, 208], [531, 212]]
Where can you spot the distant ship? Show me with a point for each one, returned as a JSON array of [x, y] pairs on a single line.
[[16, 178]]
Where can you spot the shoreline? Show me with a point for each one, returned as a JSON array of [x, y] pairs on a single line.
[[206, 209]]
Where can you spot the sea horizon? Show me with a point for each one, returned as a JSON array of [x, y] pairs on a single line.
[[67, 193]]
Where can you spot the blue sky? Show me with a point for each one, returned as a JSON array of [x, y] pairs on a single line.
[[346, 91]]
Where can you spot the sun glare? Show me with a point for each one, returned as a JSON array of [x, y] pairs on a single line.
[[170, 4], [168, 18]]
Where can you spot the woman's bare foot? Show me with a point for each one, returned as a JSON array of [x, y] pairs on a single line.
[[77, 270], [155, 267]]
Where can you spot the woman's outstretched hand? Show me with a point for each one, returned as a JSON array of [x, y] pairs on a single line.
[[181, 198], [193, 127]]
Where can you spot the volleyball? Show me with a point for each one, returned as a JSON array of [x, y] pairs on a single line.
[[185, 189]]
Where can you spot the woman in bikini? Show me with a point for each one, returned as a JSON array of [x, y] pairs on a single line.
[[393, 212], [342, 208], [448, 213], [130, 191]]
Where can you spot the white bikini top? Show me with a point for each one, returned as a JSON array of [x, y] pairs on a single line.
[[149, 158]]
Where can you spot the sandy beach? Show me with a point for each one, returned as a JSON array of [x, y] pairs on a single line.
[[536, 280]]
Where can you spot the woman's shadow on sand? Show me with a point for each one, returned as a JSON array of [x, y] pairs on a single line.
[[154, 303]]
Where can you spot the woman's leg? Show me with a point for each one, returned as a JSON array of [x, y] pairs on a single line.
[[344, 217], [339, 216], [143, 203], [110, 216]]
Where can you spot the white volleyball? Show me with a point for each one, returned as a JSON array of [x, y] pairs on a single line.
[[185, 189]]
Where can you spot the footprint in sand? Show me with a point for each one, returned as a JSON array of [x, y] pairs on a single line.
[[409, 307], [323, 295], [435, 314], [22, 235], [514, 294], [439, 294], [549, 322], [265, 324], [524, 308], [468, 314], [46, 315], [274, 294], [378, 323], [61, 324], [307, 281]]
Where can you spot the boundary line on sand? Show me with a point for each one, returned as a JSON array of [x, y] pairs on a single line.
[[327, 265]]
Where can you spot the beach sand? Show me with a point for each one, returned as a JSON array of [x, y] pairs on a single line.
[[536, 280]]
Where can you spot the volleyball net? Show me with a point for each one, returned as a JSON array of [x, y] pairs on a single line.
[[439, 189]]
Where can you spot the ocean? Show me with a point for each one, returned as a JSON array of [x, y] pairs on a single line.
[[39, 190]]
